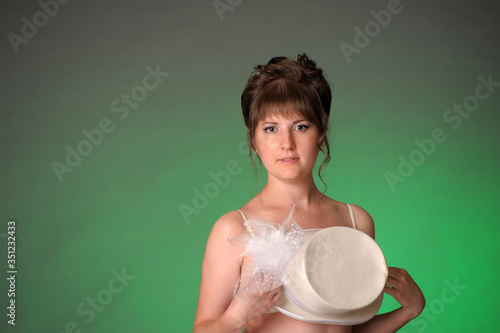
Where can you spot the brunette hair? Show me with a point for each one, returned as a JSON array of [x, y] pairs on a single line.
[[286, 86]]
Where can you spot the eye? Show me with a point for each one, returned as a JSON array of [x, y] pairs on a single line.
[[301, 127], [270, 129]]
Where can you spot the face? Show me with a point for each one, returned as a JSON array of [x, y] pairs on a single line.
[[287, 146]]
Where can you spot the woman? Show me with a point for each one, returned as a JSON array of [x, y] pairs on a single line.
[[286, 105]]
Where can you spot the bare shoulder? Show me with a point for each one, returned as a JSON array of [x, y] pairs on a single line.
[[364, 221], [229, 226]]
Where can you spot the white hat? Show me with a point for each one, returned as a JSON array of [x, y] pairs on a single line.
[[336, 277]]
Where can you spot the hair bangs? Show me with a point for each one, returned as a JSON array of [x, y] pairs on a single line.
[[286, 98]]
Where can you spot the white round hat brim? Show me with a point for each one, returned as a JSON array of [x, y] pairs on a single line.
[[355, 317]]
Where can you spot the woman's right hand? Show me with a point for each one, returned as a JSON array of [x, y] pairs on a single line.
[[250, 308]]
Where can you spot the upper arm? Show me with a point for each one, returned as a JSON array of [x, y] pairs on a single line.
[[220, 269], [364, 221]]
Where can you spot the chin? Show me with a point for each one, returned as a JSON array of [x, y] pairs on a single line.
[[291, 177]]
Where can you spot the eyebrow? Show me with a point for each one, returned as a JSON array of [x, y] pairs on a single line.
[[275, 123]]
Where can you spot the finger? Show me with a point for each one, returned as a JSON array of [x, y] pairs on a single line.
[[393, 283], [398, 273], [401, 277], [270, 280], [392, 292], [269, 284], [394, 272], [276, 298], [272, 293]]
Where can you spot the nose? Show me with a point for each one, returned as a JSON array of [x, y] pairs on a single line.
[[288, 142]]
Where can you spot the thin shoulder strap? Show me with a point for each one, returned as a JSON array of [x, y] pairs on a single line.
[[352, 216], [242, 214], [245, 218]]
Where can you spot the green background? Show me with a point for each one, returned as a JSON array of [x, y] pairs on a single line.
[[119, 208]]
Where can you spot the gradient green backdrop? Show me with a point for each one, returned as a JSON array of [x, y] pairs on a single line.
[[119, 208]]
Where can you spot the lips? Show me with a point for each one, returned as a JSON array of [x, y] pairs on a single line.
[[288, 160]]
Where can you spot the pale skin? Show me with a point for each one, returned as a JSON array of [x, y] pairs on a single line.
[[288, 148]]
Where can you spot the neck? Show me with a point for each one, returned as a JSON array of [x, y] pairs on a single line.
[[302, 193]]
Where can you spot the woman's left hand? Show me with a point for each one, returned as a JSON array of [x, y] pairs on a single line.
[[401, 286]]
